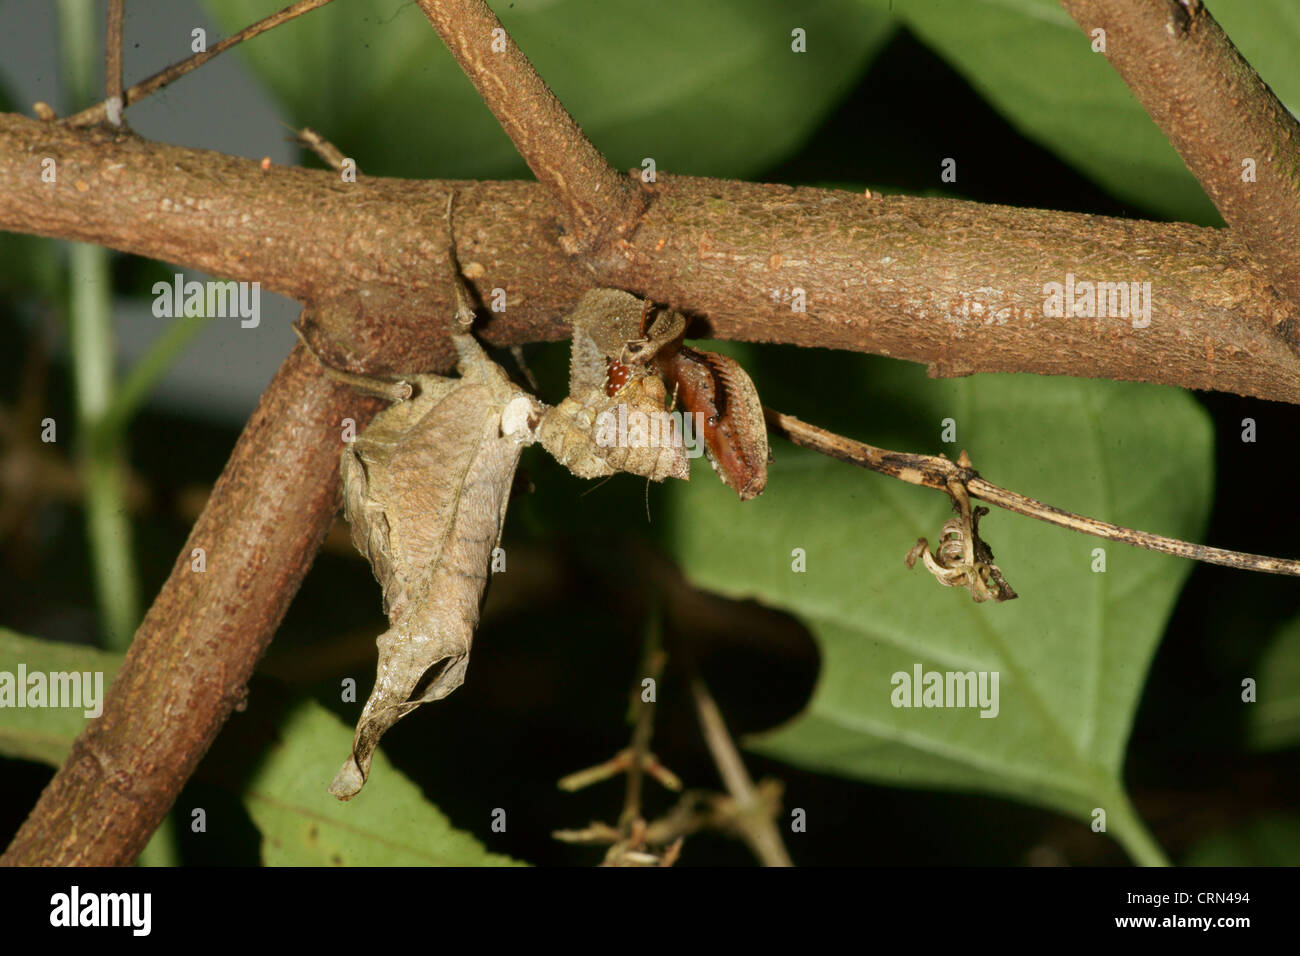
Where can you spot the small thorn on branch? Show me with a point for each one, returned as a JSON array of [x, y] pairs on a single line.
[[329, 154]]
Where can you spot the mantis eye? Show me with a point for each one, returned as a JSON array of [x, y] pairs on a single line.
[[616, 378]]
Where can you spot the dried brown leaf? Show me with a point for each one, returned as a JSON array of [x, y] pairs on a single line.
[[425, 490]]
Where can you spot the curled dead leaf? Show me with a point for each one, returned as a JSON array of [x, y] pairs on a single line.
[[425, 490]]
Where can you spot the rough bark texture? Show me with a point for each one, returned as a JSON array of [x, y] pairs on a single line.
[[959, 285], [955, 285], [1217, 112], [595, 203], [191, 659]]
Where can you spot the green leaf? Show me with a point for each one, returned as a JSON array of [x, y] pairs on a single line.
[[707, 89], [1273, 721], [1034, 64], [388, 824], [45, 734], [1268, 840], [1071, 653]]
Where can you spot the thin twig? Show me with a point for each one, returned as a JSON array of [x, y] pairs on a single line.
[[753, 820], [642, 714], [936, 472], [615, 765], [695, 810], [98, 112], [113, 63], [596, 202], [628, 844], [330, 154]]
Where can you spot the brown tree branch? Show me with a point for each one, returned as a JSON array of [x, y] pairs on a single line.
[[955, 285], [596, 203], [1217, 113], [195, 652], [98, 112]]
